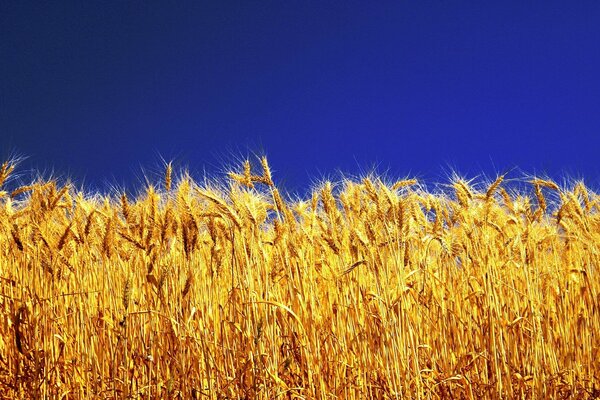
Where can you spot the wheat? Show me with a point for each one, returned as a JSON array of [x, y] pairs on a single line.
[[404, 183], [168, 177], [495, 185], [545, 183], [362, 290], [5, 170], [463, 192]]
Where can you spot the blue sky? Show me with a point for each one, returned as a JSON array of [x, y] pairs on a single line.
[[94, 90]]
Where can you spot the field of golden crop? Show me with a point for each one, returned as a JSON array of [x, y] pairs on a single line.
[[368, 289]]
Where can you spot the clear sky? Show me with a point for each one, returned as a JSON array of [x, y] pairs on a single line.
[[95, 90]]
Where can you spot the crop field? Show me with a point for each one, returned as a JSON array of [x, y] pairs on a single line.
[[367, 289]]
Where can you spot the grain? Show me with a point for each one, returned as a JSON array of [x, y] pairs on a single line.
[[362, 290]]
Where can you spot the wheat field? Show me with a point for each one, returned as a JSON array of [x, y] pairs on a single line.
[[366, 289]]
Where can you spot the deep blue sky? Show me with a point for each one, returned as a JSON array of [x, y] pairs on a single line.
[[97, 89]]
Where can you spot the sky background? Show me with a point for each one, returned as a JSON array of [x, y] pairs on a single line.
[[98, 90]]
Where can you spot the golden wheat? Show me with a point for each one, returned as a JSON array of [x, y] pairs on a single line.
[[364, 291]]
